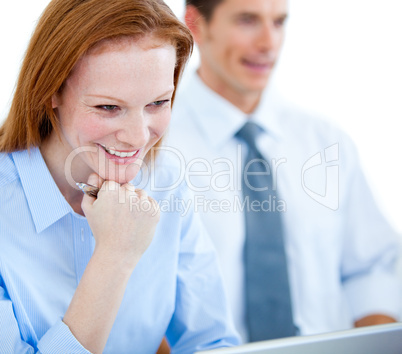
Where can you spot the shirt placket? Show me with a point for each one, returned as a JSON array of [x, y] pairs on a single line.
[[83, 245]]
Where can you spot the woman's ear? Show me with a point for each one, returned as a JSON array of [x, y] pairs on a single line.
[[55, 100], [195, 22]]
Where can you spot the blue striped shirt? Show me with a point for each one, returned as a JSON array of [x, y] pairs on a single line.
[[45, 246]]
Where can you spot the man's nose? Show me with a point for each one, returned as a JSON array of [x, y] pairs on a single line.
[[266, 36]]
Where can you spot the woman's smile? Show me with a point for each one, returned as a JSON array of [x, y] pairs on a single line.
[[121, 157], [117, 100]]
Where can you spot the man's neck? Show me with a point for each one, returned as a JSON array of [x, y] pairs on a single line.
[[247, 102]]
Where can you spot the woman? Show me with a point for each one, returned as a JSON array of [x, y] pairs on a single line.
[[82, 274]]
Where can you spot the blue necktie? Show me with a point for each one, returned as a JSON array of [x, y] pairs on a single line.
[[268, 303]]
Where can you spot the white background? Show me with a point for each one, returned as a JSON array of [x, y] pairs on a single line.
[[341, 59]]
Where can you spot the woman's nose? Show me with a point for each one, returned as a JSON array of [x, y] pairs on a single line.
[[134, 132]]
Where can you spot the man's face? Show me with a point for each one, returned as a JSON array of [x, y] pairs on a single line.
[[240, 45]]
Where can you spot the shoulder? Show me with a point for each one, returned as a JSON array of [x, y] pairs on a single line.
[[8, 171], [309, 127], [10, 187], [306, 119], [311, 136]]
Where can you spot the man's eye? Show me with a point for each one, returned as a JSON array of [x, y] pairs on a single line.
[[247, 19], [280, 22], [107, 107]]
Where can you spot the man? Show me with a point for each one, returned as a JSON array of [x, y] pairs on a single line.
[[339, 251]]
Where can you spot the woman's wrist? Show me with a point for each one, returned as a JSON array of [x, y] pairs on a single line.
[[113, 261]]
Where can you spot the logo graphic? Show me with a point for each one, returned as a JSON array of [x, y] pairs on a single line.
[[330, 199]]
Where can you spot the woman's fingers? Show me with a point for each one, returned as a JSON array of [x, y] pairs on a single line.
[[129, 187], [122, 218], [88, 200]]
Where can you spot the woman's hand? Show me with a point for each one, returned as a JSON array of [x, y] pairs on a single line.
[[123, 221]]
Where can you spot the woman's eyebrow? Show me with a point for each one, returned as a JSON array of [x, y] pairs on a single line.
[[106, 97], [169, 91]]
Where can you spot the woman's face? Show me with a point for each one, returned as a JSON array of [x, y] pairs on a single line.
[[115, 106]]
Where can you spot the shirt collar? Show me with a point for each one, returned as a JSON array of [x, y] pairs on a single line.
[[46, 203], [267, 114], [219, 120]]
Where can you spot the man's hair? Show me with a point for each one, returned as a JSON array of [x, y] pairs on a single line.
[[66, 31], [205, 7]]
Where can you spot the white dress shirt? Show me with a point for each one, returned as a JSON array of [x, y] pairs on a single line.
[[340, 249]]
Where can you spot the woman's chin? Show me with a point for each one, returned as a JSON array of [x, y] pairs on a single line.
[[122, 177]]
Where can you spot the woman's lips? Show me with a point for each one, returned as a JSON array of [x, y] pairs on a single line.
[[121, 157]]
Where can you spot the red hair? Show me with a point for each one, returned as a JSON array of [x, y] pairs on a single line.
[[66, 31]]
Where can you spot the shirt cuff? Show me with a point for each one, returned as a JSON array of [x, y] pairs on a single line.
[[377, 293], [59, 339]]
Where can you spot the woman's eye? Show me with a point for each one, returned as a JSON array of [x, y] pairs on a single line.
[[159, 103], [108, 107]]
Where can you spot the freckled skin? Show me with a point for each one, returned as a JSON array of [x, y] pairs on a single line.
[[109, 100]]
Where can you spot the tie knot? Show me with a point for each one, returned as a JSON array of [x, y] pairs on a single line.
[[249, 133]]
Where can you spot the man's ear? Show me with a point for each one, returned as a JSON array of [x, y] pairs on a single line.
[[195, 22]]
